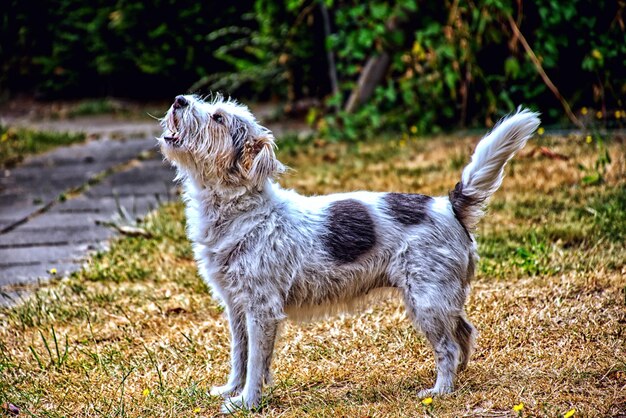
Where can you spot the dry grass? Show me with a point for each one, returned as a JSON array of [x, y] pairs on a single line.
[[137, 333]]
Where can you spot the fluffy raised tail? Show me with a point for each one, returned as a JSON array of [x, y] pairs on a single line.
[[483, 175]]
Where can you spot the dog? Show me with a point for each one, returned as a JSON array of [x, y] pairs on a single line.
[[269, 253]]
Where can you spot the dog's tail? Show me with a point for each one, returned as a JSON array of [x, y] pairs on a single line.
[[483, 175]]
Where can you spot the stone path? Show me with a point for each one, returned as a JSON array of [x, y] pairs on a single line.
[[53, 205]]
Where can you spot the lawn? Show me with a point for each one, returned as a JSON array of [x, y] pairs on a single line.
[[16, 143], [138, 334]]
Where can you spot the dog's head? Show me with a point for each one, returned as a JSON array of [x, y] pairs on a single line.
[[218, 141]]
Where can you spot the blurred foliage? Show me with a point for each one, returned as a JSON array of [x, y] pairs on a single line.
[[280, 54], [457, 63], [452, 63], [127, 48]]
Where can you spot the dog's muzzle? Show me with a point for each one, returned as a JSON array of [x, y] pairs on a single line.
[[174, 139], [180, 102]]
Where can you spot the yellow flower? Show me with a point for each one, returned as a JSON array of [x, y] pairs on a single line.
[[145, 392], [427, 401], [541, 131], [596, 54], [618, 114], [519, 407], [569, 413], [418, 51], [413, 129], [589, 139], [53, 271], [583, 111], [599, 114], [197, 410]]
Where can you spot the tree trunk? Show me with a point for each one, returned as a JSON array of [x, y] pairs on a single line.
[[332, 69], [373, 72]]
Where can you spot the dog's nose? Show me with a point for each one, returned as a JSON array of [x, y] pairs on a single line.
[[180, 102]]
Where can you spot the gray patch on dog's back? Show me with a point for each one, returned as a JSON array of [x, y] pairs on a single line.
[[350, 231], [460, 204], [408, 209]]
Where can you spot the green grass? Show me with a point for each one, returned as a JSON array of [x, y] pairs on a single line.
[[574, 222], [94, 107], [17, 143], [138, 334], [125, 110]]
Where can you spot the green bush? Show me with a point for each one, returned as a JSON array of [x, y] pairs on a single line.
[[453, 63], [129, 48], [458, 63]]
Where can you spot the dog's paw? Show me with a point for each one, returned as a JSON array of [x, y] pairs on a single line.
[[427, 393], [232, 405], [239, 403], [224, 391]]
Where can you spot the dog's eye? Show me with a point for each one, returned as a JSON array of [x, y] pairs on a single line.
[[218, 118]]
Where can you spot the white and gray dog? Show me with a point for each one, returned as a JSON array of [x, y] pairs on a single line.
[[270, 253]]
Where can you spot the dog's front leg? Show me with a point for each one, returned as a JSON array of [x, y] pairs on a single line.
[[262, 330], [238, 354]]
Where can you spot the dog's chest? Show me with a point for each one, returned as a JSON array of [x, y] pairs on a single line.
[[217, 236]]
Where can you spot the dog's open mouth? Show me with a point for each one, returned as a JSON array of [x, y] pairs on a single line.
[[174, 137]]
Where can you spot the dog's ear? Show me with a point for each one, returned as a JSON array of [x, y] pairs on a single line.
[[259, 160]]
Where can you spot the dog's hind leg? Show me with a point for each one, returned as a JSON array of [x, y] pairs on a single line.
[[465, 335], [238, 354], [439, 325]]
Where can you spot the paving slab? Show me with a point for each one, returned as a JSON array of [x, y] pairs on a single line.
[[132, 205], [144, 178], [55, 235], [29, 274], [94, 151], [24, 256], [14, 208]]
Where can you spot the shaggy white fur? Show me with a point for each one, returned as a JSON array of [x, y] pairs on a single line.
[[268, 253]]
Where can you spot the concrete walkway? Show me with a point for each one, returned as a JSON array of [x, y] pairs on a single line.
[[53, 206]]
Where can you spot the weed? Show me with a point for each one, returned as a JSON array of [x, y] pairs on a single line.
[[608, 214], [56, 355], [594, 174]]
